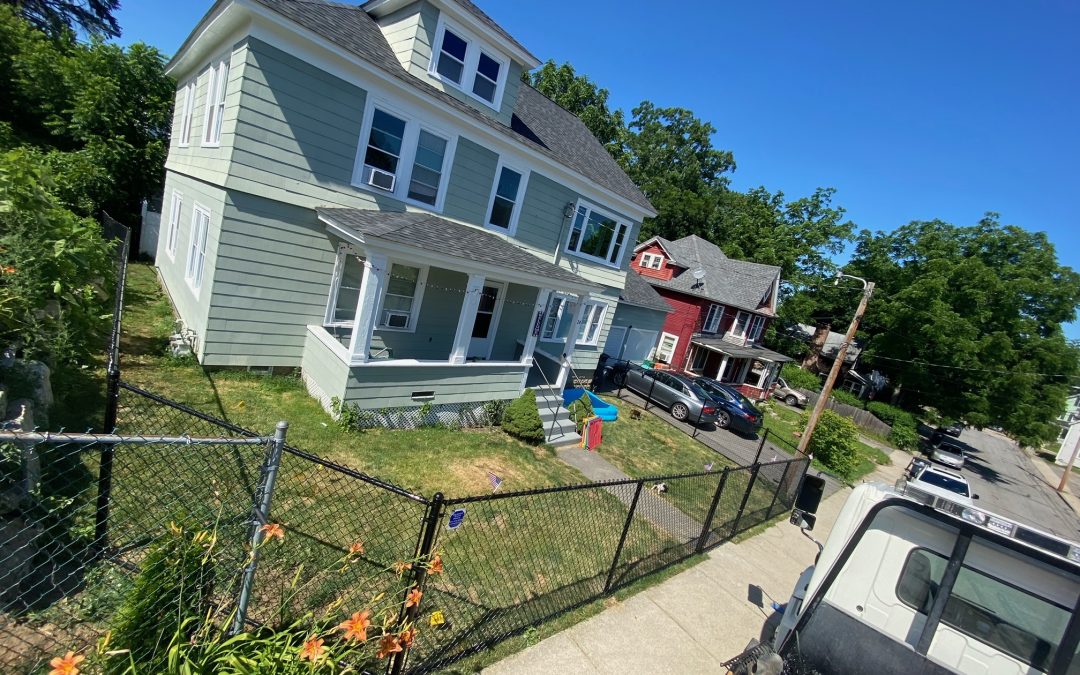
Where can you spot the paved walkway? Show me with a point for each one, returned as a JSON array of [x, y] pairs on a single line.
[[1052, 475], [696, 620]]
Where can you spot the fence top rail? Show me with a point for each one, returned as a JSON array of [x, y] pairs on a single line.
[[118, 439]]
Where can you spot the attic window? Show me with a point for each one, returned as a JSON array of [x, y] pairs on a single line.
[[452, 57], [463, 62], [652, 261]]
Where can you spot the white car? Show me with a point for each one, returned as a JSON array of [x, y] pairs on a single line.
[[788, 394], [938, 482]]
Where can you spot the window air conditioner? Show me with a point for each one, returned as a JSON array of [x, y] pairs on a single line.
[[395, 319], [384, 180]]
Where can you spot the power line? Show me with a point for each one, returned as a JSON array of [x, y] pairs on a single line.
[[973, 370]]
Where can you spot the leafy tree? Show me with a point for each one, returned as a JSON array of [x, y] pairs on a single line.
[[583, 97], [967, 320], [58, 17], [834, 442]]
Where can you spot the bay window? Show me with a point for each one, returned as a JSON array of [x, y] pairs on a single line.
[[505, 199], [596, 235], [464, 63], [401, 158]]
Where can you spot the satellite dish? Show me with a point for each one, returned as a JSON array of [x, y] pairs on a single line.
[[699, 274]]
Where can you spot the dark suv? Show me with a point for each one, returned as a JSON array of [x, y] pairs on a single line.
[[735, 411]]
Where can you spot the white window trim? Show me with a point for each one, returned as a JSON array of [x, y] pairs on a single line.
[[418, 298], [187, 112], [647, 260], [619, 222], [660, 342], [172, 236], [748, 332], [511, 229], [566, 300], [755, 327], [586, 318], [474, 46], [719, 309], [413, 126], [212, 86], [343, 250], [198, 240]]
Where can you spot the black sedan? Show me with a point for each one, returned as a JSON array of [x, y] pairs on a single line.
[[734, 411]]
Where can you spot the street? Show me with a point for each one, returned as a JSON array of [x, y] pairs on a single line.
[[1007, 483]]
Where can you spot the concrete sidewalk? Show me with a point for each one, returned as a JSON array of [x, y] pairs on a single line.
[[696, 620]]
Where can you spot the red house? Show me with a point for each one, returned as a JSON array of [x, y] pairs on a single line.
[[721, 309]]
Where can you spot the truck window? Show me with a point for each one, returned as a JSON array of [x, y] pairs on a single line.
[[1007, 618]]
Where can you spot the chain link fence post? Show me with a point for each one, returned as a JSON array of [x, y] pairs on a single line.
[[651, 387], [622, 537], [260, 516], [745, 498], [105, 462], [779, 486], [704, 538], [419, 575]]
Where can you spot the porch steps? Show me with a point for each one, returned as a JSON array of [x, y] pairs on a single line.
[[562, 432]]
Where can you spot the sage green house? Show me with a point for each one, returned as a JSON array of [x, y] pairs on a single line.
[[370, 194]]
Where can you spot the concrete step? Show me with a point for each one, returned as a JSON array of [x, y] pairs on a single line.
[[567, 439], [559, 427], [547, 413]]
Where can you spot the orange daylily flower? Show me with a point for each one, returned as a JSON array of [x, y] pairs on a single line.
[[312, 649], [356, 626], [68, 664], [435, 566], [414, 597], [357, 548], [388, 645], [400, 567], [10, 270], [272, 531], [407, 636]]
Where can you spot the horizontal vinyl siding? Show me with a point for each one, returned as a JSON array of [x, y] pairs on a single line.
[[275, 264], [427, 21], [400, 29], [392, 386], [510, 92], [471, 182], [323, 372], [436, 322], [515, 322], [191, 307]]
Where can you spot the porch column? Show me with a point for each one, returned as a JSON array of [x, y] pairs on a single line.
[[723, 368], [765, 373], [463, 335], [745, 369], [774, 369], [535, 326], [376, 270], [571, 340]]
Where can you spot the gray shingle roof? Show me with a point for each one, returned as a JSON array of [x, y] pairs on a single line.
[[735, 283], [741, 351], [639, 292], [422, 230], [538, 123]]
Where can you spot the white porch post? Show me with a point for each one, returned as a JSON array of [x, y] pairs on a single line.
[[723, 368], [764, 376], [535, 326], [463, 334], [774, 369], [571, 341], [744, 371], [376, 270]]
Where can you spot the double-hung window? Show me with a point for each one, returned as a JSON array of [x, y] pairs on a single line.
[[187, 106], [345, 291], [665, 349], [200, 225], [738, 328], [173, 233], [505, 197], [464, 63], [756, 324], [591, 322], [401, 301], [712, 319], [550, 331], [399, 157], [215, 101], [557, 319], [597, 236], [652, 261]]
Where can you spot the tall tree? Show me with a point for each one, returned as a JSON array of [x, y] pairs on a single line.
[[583, 97], [57, 17]]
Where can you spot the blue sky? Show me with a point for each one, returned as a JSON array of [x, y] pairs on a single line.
[[912, 110]]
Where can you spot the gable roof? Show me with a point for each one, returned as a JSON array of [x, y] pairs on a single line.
[[638, 292], [538, 123], [735, 283]]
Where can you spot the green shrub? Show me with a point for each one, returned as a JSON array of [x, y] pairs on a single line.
[[904, 436], [494, 410], [890, 414], [522, 418], [847, 398], [173, 588], [581, 410], [834, 442], [801, 379]]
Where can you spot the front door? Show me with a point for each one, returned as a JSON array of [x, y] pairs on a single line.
[[487, 320]]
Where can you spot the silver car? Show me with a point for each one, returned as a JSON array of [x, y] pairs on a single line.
[[789, 394], [677, 393], [949, 454]]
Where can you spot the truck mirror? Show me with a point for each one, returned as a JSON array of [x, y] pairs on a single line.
[[810, 494]]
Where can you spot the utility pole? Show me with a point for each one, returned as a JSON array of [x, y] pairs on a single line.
[[819, 406], [1072, 461]]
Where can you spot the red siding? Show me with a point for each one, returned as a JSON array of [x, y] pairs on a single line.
[[665, 272]]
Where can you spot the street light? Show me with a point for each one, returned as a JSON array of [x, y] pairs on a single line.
[[819, 405]]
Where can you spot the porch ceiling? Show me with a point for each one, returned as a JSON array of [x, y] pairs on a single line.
[[739, 351], [447, 243]]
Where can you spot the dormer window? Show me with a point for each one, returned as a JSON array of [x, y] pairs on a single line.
[[465, 64], [652, 261]]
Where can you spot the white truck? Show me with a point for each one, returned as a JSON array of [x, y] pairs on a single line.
[[914, 582]]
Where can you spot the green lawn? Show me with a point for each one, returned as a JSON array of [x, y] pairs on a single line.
[[785, 423]]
